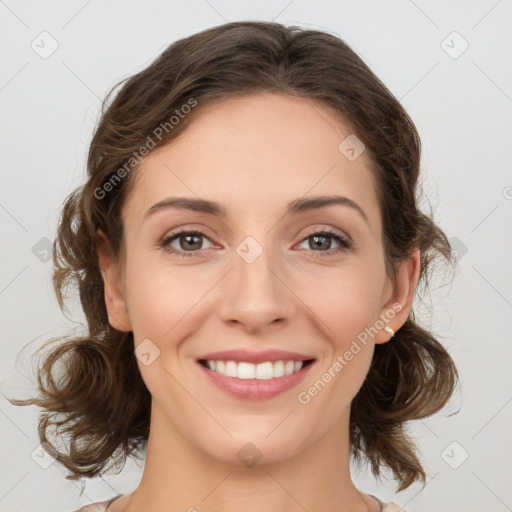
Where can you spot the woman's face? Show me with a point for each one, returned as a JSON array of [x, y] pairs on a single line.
[[260, 275]]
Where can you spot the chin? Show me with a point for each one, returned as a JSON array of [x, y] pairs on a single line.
[[254, 446]]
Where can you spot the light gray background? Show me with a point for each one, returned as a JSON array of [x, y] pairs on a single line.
[[462, 107]]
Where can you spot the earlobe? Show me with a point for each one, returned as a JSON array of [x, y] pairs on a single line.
[[113, 288], [398, 307]]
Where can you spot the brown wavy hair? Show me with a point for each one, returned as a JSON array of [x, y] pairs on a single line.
[[98, 399]]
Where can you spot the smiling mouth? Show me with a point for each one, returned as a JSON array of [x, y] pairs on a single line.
[[262, 371]]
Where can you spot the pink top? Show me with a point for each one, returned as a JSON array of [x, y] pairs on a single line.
[[101, 506]]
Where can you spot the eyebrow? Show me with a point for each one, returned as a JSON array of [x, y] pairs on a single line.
[[293, 207]]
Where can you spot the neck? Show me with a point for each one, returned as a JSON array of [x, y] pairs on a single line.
[[179, 476]]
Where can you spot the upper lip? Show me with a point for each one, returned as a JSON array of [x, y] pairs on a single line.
[[255, 357]]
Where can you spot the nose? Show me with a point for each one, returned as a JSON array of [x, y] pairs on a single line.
[[256, 295]]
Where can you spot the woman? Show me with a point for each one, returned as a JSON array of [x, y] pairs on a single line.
[[247, 248]]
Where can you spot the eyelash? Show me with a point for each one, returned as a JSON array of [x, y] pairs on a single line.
[[345, 243]]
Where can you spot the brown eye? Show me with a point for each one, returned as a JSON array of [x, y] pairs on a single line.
[[189, 243], [321, 242]]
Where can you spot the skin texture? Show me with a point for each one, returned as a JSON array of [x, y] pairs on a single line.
[[253, 155]]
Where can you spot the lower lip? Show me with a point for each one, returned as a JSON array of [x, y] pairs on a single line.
[[255, 389]]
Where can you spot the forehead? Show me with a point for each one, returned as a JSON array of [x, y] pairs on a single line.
[[255, 151]]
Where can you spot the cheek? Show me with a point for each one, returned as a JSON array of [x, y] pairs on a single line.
[[345, 300], [160, 299], [347, 309], [345, 304]]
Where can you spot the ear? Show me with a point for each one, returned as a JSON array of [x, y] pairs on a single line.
[[396, 309], [118, 316]]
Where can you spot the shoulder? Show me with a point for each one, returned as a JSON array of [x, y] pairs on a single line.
[[389, 507], [392, 507], [99, 506]]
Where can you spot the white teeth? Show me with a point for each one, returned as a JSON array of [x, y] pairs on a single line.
[[278, 369], [261, 371], [288, 367], [230, 369], [245, 371], [265, 371]]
